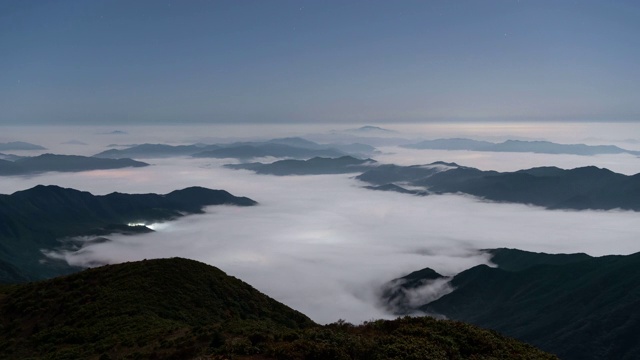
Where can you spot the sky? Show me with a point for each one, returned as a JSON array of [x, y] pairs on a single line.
[[158, 62]]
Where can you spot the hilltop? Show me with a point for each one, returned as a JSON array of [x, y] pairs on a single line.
[[39, 218], [182, 309], [574, 305]]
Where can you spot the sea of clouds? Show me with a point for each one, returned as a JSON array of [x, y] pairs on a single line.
[[323, 244]]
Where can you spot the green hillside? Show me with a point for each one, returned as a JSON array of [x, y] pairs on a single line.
[[38, 218], [574, 305], [183, 309]]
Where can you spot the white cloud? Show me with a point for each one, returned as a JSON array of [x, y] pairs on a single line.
[[323, 245]]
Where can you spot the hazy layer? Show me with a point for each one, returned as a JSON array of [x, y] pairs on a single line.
[[321, 244], [56, 138]]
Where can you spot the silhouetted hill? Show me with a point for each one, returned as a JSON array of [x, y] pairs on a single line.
[[36, 219], [10, 157], [544, 147], [183, 309], [516, 260], [19, 145], [399, 296], [10, 168], [150, 151], [580, 188], [573, 305], [267, 149], [396, 188], [62, 163], [368, 129], [390, 173], [314, 166], [451, 144], [292, 147]]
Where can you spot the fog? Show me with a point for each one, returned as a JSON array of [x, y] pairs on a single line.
[[322, 244]]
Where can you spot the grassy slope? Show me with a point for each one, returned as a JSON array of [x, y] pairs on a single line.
[[177, 308], [582, 309]]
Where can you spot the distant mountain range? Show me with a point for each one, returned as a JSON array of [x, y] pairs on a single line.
[[38, 218], [551, 187], [183, 309], [573, 305], [370, 129], [294, 147], [154, 151], [543, 147], [65, 163], [251, 151], [19, 145], [314, 166]]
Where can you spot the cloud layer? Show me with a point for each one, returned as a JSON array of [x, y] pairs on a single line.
[[324, 245]]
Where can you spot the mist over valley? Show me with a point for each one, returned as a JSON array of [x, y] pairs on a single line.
[[337, 241]]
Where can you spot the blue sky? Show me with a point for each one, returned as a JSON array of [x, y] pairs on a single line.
[[154, 62]]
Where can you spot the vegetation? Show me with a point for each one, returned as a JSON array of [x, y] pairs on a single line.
[[554, 188], [574, 305], [182, 309], [38, 218]]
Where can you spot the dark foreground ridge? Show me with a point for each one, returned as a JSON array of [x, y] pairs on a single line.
[[38, 218], [573, 305], [183, 309]]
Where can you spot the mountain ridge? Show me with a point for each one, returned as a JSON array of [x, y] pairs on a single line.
[[183, 309], [37, 218], [574, 305]]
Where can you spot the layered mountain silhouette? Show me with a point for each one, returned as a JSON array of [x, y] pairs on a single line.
[[293, 147], [314, 166], [183, 309], [543, 147], [551, 187], [150, 151], [62, 163], [573, 305], [38, 218], [250, 151], [19, 145]]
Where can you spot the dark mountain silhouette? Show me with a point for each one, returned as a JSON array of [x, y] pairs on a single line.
[[314, 166], [354, 149], [390, 173], [10, 168], [150, 151], [268, 149], [368, 129], [10, 157], [544, 147], [396, 188], [38, 218], [183, 309], [292, 147], [573, 305], [580, 188], [62, 163]]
